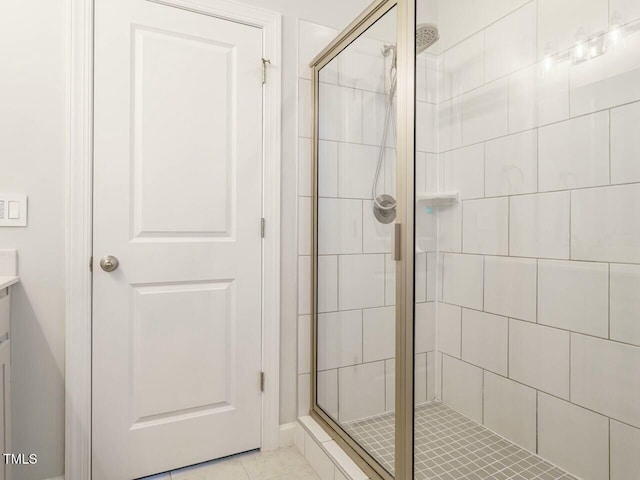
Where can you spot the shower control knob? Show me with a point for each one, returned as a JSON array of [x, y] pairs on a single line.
[[109, 263]]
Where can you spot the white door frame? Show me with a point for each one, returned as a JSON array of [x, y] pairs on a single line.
[[79, 221]]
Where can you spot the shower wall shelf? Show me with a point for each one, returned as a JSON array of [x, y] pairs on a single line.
[[439, 198]]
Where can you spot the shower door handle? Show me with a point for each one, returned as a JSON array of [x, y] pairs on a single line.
[[397, 238]]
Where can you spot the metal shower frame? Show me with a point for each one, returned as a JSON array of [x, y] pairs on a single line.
[[404, 239]]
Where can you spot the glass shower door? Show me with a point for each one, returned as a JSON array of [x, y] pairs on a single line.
[[355, 294]]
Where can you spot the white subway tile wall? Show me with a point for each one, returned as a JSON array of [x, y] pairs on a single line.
[[361, 391], [607, 80], [604, 224], [538, 96], [511, 409], [511, 165], [328, 391], [485, 340], [463, 169], [604, 377], [624, 303], [542, 309], [574, 153], [560, 21], [510, 287], [486, 226], [539, 225], [449, 321], [484, 112], [533, 279], [511, 43], [462, 385], [340, 333], [574, 296], [573, 437], [625, 451], [379, 334], [463, 66], [462, 280], [539, 357]]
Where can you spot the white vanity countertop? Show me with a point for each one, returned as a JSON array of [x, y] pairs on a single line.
[[8, 281]]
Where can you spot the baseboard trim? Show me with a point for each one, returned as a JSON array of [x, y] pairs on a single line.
[[287, 435]]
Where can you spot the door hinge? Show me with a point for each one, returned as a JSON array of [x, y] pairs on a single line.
[[264, 70], [91, 264], [262, 227], [262, 381]]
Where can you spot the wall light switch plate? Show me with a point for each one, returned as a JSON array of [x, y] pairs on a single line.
[[13, 210]]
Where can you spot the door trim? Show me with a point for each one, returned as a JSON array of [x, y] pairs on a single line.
[[79, 176]]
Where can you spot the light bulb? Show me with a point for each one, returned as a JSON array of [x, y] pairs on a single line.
[[548, 58], [615, 35], [580, 48]]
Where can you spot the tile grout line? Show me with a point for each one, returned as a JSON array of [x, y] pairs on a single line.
[[537, 422], [516, 257], [543, 325], [508, 346], [570, 362], [609, 445], [537, 291], [509, 226], [609, 150], [609, 300], [484, 372], [570, 224], [537, 127]]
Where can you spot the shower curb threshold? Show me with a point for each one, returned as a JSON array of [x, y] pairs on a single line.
[[325, 456]]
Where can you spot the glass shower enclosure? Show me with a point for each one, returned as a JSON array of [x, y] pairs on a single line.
[[361, 90], [476, 239]]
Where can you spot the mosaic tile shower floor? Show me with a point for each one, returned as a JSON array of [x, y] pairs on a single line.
[[449, 446]]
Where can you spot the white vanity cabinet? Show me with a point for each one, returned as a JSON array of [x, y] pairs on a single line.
[[8, 280], [5, 380]]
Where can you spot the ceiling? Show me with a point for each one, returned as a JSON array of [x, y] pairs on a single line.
[[331, 13]]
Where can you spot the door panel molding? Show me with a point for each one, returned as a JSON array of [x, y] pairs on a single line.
[[79, 222]]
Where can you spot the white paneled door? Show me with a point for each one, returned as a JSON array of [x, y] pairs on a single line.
[[178, 202]]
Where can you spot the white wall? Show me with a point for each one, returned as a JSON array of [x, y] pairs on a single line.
[[32, 161], [289, 219], [333, 13]]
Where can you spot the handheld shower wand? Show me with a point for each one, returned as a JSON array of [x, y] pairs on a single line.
[[384, 205]]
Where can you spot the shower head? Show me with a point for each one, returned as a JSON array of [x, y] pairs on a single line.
[[426, 35]]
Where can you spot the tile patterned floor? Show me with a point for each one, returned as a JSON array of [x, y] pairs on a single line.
[[449, 446], [283, 464]]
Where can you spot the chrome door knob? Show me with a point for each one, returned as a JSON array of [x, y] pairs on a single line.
[[109, 263]]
